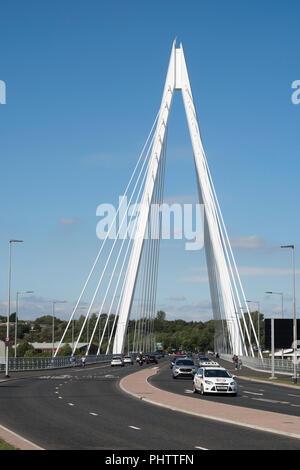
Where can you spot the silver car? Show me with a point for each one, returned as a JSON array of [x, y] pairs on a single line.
[[184, 368], [117, 361]]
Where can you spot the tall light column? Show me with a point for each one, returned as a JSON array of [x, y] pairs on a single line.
[[294, 378], [258, 324], [8, 307], [54, 302], [279, 293], [17, 315]]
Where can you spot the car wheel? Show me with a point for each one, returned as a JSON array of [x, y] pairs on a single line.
[[194, 389], [202, 390], [174, 377]]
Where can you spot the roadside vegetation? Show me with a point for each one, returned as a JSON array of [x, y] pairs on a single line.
[[5, 446], [174, 334]]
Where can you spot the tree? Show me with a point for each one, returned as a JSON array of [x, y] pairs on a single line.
[[161, 315], [12, 317], [65, 350], [23, 348]]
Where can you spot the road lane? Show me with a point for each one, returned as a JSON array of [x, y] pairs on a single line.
[[104, 417], [266, 396]]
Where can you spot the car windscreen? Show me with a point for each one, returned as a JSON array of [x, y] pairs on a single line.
[[183, 362], [217, 373]]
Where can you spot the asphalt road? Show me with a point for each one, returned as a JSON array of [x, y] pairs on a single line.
[[261, 396], [85, 409]]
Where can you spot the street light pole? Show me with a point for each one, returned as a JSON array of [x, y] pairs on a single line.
[[17, 315], [258, 324], [8, 308], [53, 310], [294, 378], [279, 293]]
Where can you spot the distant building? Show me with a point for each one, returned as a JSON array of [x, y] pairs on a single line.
[[47, 347]]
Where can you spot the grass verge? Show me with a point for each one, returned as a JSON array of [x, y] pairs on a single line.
[[5, 446]]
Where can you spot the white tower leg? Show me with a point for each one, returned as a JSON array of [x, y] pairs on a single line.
[[219, 274]]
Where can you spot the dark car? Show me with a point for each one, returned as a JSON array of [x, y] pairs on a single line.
[[151, 358]]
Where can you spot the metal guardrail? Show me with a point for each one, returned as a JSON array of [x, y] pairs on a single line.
[[265, 364], [41, 363], [23, 364]]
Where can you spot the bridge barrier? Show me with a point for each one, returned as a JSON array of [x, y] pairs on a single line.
[[40, 363], [265, 364]]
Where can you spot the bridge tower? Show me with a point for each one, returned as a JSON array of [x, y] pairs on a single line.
[[222, 272], [230, 308]]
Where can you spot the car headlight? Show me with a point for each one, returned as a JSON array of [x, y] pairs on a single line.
[[208, 382], [233, 383]]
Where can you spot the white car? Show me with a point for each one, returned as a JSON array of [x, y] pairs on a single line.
[[214, 380], [209, 364], [128, 360], [117, 361]]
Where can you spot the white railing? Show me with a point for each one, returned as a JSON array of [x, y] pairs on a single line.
[[40, 363], [265, 364]]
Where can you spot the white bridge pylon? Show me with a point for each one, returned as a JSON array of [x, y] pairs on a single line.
[[234, 329], [222, 271]]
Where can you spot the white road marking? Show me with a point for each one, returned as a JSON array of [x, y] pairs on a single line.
[[200, 448], [291, 395], [94, 414], [71, 404], [297, 406], [134, 427], [253, 393], [188, 391], [272, 401], [60, 398]]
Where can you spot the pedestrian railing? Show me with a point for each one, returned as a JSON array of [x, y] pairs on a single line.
[[265, 364], [59, 362]]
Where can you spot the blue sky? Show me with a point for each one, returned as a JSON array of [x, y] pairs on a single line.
[[84, 83]]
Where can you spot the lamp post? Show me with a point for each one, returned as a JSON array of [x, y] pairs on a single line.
[[54, 302], [17, 314], [258, 315], [294, 378], [279, 293], [8, 307]]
